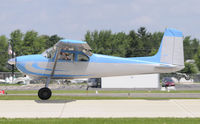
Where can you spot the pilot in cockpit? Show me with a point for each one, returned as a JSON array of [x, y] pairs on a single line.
[[65, 56], [68, 56], [62, 56]]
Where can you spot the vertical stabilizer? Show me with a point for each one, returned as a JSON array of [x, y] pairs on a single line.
[[171, 48]]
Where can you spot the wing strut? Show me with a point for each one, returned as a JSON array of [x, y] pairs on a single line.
[[54, 67]]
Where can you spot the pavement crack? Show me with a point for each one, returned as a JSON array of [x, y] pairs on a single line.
[[183, 108], [62, 110]]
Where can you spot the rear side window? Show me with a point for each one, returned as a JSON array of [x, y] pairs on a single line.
[[82, 57]]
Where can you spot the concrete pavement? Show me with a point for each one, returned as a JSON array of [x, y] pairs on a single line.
[[135, 95], [99, 108]]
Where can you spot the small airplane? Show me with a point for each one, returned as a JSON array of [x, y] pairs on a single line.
[[72, 59]]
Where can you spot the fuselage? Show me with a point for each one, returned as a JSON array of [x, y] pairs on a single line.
[[72, 59], [69, 59], [38, 66]]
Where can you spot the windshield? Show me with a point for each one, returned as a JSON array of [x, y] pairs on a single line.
[[49, 53]]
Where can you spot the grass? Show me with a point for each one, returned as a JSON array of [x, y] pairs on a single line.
[[11, 84], [101, 121], [92, 91], [34, 97], [154, 91], [54, 91]]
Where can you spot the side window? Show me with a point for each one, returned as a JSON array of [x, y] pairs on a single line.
[[82, 57], [66, 56]]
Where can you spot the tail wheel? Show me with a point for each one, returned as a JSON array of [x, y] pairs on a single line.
[[44, 93]]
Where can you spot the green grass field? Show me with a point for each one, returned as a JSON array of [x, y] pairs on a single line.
[[102, 121], [35, 97], [100, 91], [33, 94], [11, 84]]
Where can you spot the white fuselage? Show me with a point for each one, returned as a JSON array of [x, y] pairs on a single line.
[[72, 70]]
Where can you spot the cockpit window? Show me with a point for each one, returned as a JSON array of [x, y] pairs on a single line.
[[87, 52], [66, 56], [49, 53], [82, 57]]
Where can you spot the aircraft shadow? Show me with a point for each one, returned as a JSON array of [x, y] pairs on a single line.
[[54, 101]]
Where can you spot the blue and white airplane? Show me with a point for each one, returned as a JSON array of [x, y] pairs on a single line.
[[71, 59]]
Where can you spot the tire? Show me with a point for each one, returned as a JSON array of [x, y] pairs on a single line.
[[44, 93]]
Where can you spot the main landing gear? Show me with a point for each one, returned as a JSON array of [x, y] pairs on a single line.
[[45, 93]]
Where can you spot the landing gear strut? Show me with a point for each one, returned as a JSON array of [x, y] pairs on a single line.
[[44, 93]]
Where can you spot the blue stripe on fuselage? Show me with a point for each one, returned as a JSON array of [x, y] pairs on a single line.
[[35, 65], [21, 67], [98, 58]]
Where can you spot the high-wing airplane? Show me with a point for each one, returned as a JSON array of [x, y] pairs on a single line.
[[71, 59]]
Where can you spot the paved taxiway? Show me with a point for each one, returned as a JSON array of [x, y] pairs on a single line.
[[135, 95], [99, 108]]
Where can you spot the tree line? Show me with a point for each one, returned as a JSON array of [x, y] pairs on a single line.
[[135, 43], [24, 44]]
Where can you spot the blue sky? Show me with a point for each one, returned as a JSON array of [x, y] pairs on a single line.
[[72, 18]]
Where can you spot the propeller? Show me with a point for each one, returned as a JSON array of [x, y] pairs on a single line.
[[12, 60]]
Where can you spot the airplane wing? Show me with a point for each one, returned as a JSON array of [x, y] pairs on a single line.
[[73, 45]]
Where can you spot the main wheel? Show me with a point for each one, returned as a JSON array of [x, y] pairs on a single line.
[[44, 93]]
